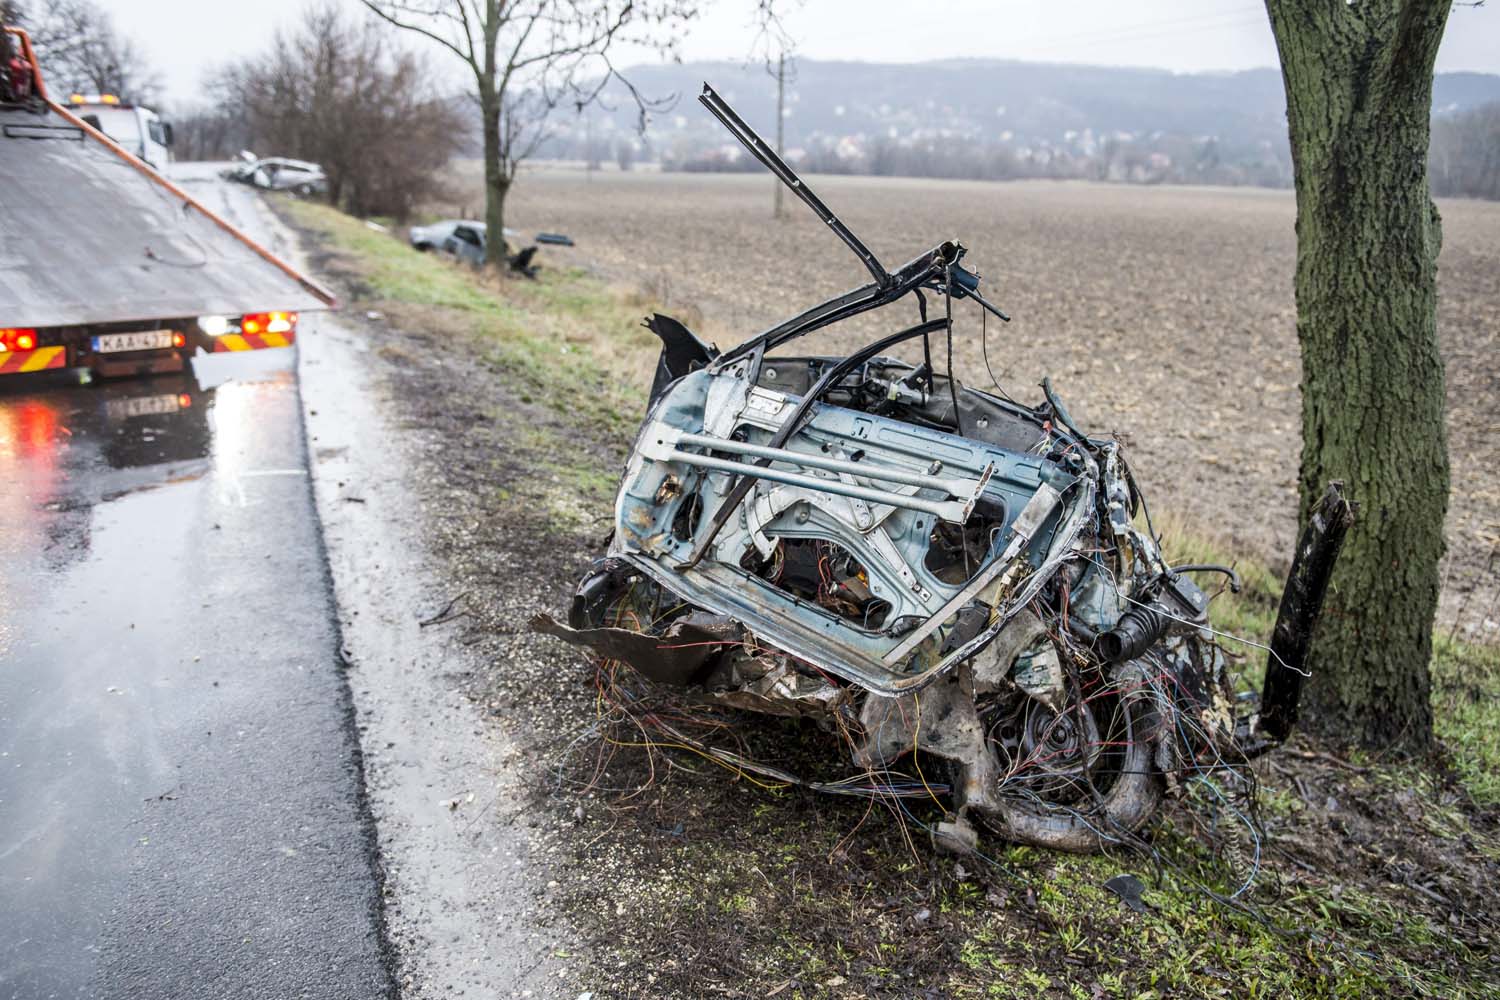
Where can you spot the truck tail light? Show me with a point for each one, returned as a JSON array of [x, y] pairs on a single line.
[[178, 340], [16, 339], [271, 322]]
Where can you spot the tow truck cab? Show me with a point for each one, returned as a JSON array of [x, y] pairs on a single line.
[[139, 130]]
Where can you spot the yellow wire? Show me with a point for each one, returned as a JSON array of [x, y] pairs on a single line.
[[916, 701]]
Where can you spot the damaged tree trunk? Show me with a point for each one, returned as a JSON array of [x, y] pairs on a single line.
[[1359, 100]]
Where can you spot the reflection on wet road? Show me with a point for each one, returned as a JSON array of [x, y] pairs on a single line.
[[179, 797]]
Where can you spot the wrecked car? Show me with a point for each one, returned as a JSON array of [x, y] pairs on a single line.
[[465, 241], [277, 173], [925, 566], [435, 235]]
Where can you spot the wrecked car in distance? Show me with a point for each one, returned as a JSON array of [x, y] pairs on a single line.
[[278, 173], [919, 564], [464, 240]]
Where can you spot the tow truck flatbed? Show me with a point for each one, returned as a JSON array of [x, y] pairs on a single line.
[[99, 245]]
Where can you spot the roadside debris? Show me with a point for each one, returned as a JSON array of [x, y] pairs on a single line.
[[447, 614], [1129, 889], [465, 240], [926, 568]]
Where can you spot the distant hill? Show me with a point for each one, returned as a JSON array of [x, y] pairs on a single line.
[[997, 117]]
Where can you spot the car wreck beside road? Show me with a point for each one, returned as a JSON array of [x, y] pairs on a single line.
[[926, 567], [277, 173]]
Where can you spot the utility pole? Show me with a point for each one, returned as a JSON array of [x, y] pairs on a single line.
[[588, 146], [776, 184]]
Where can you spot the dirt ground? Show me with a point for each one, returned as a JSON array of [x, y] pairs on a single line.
[[1165, 315]]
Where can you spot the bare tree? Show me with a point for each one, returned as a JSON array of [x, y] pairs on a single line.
[[528, 56], [335, 90], [208, 132], [80, 49], [625, 154]]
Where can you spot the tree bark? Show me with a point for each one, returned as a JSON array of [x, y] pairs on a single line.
[[496, 183], [1358, 76]]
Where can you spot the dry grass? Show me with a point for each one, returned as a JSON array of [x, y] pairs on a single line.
[[1163, 314]]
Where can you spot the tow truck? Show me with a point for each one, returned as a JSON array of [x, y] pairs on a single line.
[[107, 265], [134, 126]]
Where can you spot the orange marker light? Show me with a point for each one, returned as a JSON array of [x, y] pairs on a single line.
[[17, 339], [178, 340], [184, 400], [271, 322]]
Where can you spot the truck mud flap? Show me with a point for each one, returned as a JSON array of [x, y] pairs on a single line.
[[41, 359], [252, 341]]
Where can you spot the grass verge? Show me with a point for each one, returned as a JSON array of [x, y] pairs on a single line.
[[566, 340]]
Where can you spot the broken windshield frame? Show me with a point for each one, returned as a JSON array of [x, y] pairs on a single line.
[[930, 269]]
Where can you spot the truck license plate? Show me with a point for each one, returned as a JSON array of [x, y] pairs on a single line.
[[145, 340], [141, 406]]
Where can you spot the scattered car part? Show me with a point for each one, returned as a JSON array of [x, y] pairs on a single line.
[[1130, 890], [1301, 604], [917, 563]]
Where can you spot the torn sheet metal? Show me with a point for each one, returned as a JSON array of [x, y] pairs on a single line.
[[920, 565]]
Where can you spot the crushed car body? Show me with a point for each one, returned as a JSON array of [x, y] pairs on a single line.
[[465, 240], [277, 173], [921, 564]]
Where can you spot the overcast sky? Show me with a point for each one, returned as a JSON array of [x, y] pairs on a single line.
[[189, 37]]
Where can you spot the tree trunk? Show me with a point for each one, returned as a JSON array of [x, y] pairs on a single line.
[[496, 181], [1358, 81]]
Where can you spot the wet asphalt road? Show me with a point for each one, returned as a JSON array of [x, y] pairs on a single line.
[[181, 812]]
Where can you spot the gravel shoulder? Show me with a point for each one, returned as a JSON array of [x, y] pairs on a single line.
[[462, 851]]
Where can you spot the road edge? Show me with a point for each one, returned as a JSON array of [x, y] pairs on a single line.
[[447, 927]]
